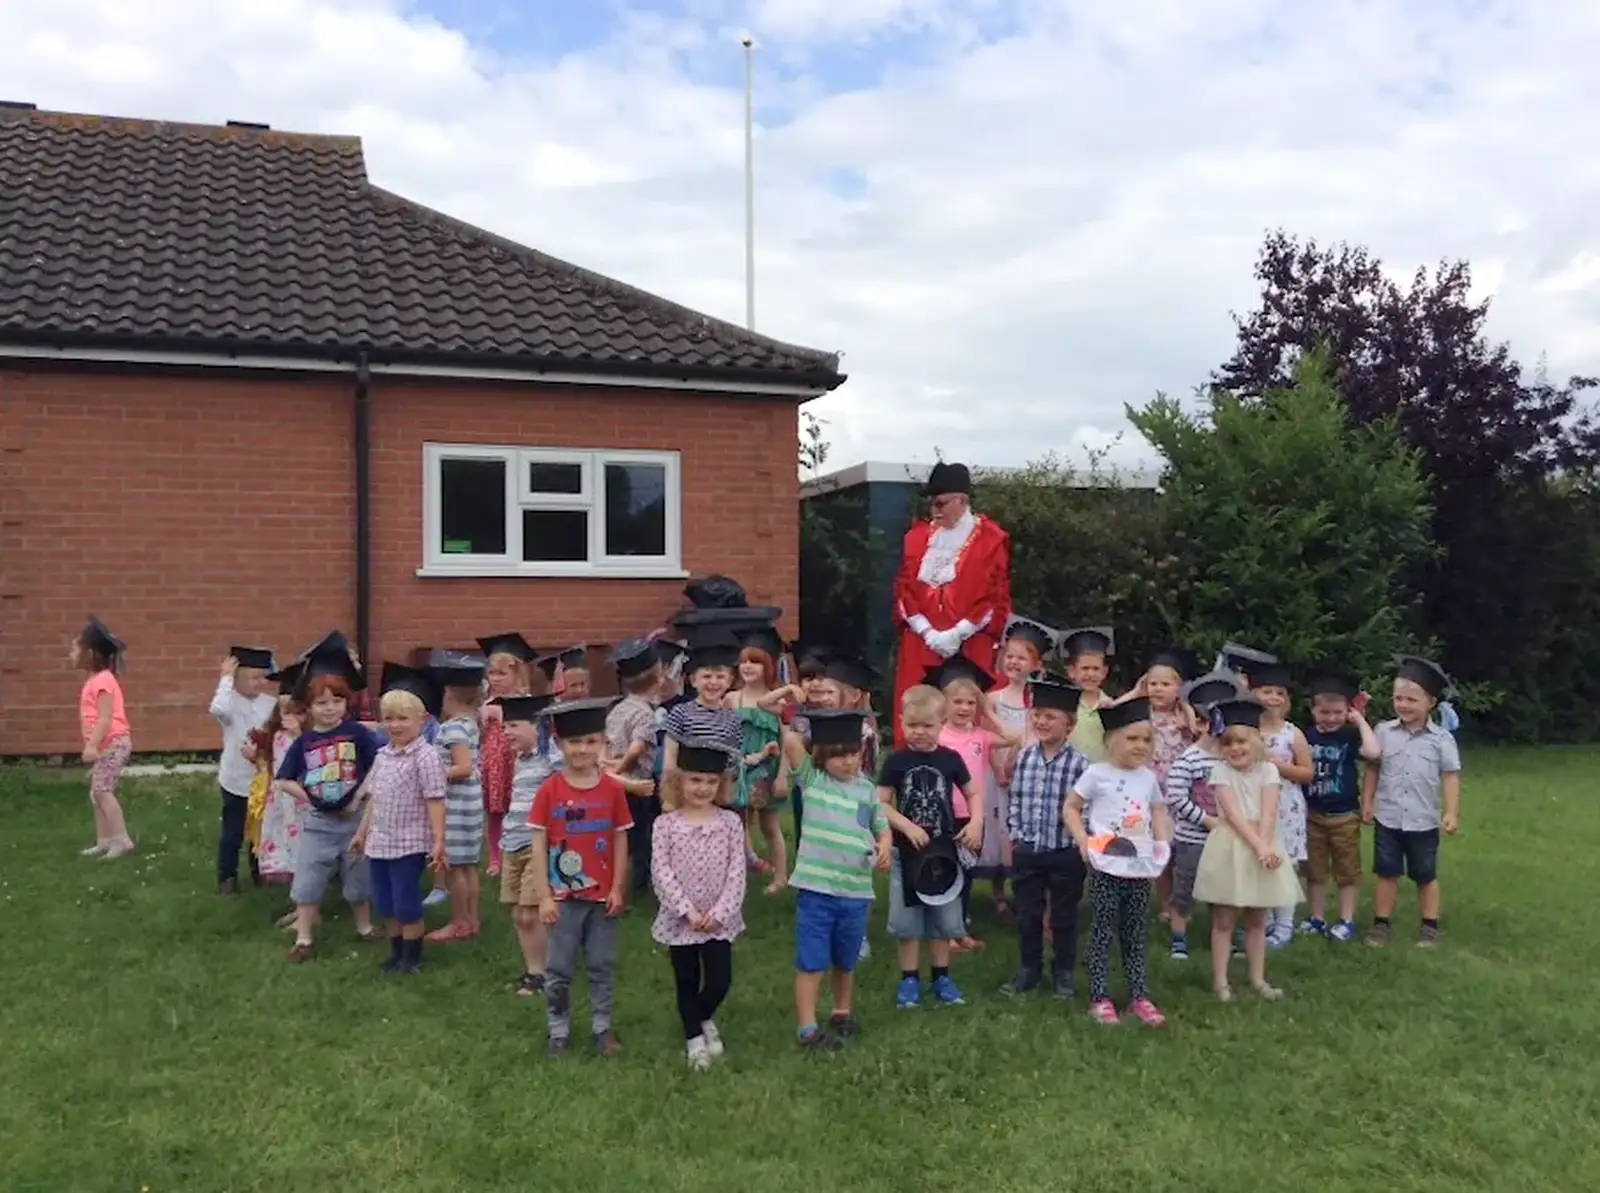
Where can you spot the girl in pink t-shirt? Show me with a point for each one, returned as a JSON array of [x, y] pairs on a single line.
[[971, 730], [107, 740]]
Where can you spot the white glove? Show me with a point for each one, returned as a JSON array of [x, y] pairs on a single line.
[[944, 642], [964, 630], [920, 626]]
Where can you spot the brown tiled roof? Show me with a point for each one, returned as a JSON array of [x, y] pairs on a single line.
[[242, 239]]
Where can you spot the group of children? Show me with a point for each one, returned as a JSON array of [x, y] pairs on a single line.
[[1194, 785]]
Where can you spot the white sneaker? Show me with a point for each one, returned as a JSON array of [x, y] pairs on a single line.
[[117, 849], [713, 1039], [866, 949], [699, 1056], [95, 850]]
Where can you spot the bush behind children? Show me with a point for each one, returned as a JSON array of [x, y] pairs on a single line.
[[1187, 782]]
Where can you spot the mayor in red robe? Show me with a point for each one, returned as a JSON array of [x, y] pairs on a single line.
[[953, 593]]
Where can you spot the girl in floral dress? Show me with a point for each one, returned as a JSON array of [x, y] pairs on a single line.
[[507, 675], [1173, 724], [279, 828], [1288, 750]]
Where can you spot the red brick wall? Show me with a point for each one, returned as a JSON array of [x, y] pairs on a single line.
[[191, 511]]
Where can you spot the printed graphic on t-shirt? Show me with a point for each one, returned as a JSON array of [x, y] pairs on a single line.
[[330, 770], [924, 785], [1327, 763]]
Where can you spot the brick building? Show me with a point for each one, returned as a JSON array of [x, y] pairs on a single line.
[[245, 395]]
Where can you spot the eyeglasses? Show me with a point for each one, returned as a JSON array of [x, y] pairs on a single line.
[[940, 503]]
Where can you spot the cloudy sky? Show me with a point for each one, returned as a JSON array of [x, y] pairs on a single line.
[[1010, 216]]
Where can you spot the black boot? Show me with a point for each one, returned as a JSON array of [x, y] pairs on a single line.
[[397, 956], [411, 956]]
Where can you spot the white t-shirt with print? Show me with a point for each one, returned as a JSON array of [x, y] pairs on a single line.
[[1118, 801]]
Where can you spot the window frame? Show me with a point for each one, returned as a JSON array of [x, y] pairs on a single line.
[[518, 497]]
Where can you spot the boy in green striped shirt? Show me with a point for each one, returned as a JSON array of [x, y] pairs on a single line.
[[846, 836]]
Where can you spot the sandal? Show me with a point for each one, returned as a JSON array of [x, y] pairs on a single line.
[[1269, 992], [775, 887], [1224, 993], [450, 932]]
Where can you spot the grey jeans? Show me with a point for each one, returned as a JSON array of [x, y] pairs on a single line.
[[581, 926]]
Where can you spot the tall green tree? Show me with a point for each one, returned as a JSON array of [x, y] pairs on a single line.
[[1294, 526]]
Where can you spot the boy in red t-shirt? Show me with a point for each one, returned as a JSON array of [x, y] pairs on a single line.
[[580, 822]]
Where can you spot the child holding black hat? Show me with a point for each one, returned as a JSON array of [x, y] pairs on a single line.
[[846, 837], [1044, 861], [403, 828], [1244, 871], [1338, 737], [698, 869], [580, 822], [241, 704], [1118, 820], [1412, 792], [107, 737]]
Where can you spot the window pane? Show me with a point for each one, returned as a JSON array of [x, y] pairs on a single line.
[[636, 509], [555, 536], [472, 507], [545, 477]]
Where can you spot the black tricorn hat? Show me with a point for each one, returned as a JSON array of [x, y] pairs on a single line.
[[948, 478]]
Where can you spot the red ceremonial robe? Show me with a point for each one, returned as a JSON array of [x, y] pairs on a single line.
[[982, 587]]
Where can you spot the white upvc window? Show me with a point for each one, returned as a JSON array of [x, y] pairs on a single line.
[[545, 511]]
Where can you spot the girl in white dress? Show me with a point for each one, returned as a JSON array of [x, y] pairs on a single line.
[[1244, 870], [1288, 750]]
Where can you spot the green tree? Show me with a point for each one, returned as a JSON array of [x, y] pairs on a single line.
[[1296, 528]]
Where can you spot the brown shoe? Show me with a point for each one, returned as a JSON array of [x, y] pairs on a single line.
[[228, 888], [300, 953], [607, 1044]]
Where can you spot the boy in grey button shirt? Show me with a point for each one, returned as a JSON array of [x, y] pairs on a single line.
[[1420, 769]]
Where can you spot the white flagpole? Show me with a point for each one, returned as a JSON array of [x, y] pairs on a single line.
[[749, 183]]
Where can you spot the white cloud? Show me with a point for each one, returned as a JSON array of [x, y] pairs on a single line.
[[1052, 222]]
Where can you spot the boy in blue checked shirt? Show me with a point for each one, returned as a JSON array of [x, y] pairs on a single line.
[[1044, 859]]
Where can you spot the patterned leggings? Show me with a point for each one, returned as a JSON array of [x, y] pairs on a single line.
[[107, 768], [1119, 908]]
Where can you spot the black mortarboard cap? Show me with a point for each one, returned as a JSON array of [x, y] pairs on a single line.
[[512, 643], [669, 652], [936, 873], [764, 638], [100, 639], [332, 660], [808, 654], [700, 758], [1429, 675], [712, 646], [1185, 662], [736, 619], [332, 642], [1237, 657], [569, 657], [835, 726], [958, 667], [1093, 639], [1269, 675], [634, 657], [1331, 681], [522, 708], [397, 677], [948, 478], [716, 592], [1042, 638], [287, 678], [1241, 710], [580, 718], [258, 657], [1120, 716], [1046, 689], [463, 673], [851, 672], [1211, 688]]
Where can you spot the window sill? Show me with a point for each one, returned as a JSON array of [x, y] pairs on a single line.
[[649, 571]]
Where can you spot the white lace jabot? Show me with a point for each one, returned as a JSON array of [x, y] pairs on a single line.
[[944, 545]]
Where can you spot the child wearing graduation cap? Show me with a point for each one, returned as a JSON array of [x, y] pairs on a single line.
[[402, 830], [459, 742], [1412, 792], [631, 741], [107, 737], [1027, 642], [1288, 751], [241, 704], [1339, 736], [1045, 863], [324, 769], [278, 839], [698, 870], [507, 657], [762, 786], [1087, 652], [846, 836], [537, 755], [580, 821], [1172, 723], [566, 672]]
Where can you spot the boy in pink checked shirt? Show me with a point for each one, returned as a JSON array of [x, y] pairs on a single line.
[[403, 828], [697, 866]]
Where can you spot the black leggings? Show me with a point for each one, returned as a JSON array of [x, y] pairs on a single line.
[[703, 973]]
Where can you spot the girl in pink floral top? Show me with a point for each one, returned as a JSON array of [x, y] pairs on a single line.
[[698, 869], [1174, 726]]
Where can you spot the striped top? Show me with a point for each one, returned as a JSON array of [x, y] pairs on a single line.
[[461, 731], [1189, 796], [532, 770], [689, 720], [839, 830]]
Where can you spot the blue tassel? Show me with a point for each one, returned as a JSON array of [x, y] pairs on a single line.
[[1217, 727], [1448, 717]]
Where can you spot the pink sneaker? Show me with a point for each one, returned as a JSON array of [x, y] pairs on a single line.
[[1147, 1013], [1104, 1012]]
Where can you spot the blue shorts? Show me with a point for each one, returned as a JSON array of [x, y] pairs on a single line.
[[828, 931], [397, 887], [1396, 852]]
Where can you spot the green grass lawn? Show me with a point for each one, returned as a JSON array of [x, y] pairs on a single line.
[[156, 1039]]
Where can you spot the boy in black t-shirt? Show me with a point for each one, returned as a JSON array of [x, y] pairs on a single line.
[[1338, 735], [918, 785]]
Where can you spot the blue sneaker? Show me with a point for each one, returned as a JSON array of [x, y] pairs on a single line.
[[909, 995], [1311, 926], [1180, 946], [947, 992], [1280, 937], [435, 897], [1343, 932]]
